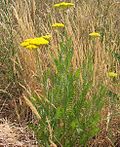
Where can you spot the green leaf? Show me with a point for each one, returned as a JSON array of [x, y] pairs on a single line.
[[74, 124], [59, 113], [77, 73]]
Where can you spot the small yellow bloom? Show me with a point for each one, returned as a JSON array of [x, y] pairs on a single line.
[[31, 47], [63, 5], [94, 34], [112, 74], [58, 25], [47, 37]]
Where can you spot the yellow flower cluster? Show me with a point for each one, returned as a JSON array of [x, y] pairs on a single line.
[[34, 43], [63, 5]]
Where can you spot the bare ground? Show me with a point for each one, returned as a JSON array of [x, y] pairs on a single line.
[[12, 135]]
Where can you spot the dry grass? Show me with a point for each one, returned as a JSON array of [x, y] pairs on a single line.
[[30, 19], [12, 135]]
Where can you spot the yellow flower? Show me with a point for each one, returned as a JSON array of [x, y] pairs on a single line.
[[34, 41], [31, 47], [63, 5], [38, 41], [58, 25], [94, 34], [47, 37], [112, 74]]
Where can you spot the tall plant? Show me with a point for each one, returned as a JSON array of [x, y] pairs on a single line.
[[70, 110]]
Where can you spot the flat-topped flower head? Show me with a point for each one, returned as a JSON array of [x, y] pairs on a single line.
[[39, 41], [47, 37], [58, 25], [63, 5], [34, 43], [112, 74], [94, 34]]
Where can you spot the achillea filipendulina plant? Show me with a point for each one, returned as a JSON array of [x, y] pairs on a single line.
[[63, 5], [61, 89], [112, 74], [68, 117], [94, 34], [58, 25]]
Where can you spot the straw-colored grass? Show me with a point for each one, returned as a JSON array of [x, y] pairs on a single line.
[[13, 135]]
